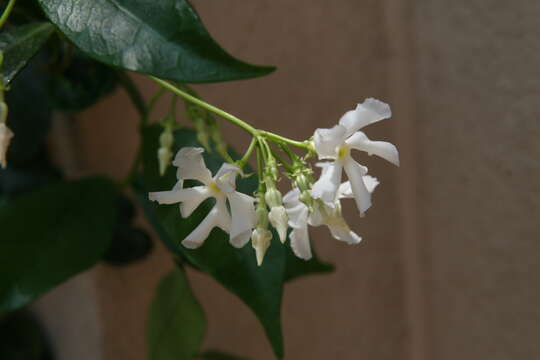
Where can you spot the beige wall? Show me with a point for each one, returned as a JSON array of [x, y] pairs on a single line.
[[451, 244]]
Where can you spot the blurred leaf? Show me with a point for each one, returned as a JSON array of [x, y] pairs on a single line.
[[218, 355], [23, 338], [129, 245], [260, 288], [19, 45], [29, 113], [177, 323], [81, 84], [164, 38], [51, 235]]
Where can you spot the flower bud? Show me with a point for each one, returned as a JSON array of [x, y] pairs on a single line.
[[3, 111], [164, 158], [279, 220], [260, 240], [273, 197], [5, 138]]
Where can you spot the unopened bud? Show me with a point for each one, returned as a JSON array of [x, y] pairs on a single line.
[[279, 220], [3, 112], [164, 158], [260, 240], [5, 138], [273, 197], [166, 139], [261, 215], [302, 182]]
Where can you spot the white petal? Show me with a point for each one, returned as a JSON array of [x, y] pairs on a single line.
[[243, 217], [328, 184], [226, 177], [191, 165], [346, 235], [369, 112], [345, 191], [327, 141], [292, 198], [201, 232], [175, 196], [371, 183], [356, 172], [197, 195], [279, 220], [384, 149], [223, 220], [298, 220]]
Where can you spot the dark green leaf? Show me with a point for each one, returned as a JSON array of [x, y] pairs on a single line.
[[260, 288], [164, 38], [297, 267], [23, 338], [19, 45], [218, 355], [177, 323], [128, 245], [52, 234], [81, 84], [29, 113]]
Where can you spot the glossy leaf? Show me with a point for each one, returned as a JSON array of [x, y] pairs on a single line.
[[19, 45], [164, 38], [177, 323], [260, 288], [51, 235]]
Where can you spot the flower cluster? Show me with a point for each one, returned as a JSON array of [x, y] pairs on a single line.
[[309, 203]]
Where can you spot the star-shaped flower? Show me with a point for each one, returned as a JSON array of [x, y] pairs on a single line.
[[336, 144], [238, 222]]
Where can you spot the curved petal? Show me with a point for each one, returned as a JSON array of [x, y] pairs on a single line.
[[226, 177], [291, 198], [298, 220], [328, 184], [356, 172], [175, 196], [191, 165], [242, 217], [279, 220], [344, 234], [199, 194], [369, 112], [383, 149], [370, 182], [196, 237], [326, 141], [223, 221]]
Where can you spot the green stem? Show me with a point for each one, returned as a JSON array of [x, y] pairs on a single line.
[[7, 11], [225, 115], [242, 162], [285, 164], [282, 139]]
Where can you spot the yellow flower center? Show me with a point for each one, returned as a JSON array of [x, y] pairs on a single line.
[[343, 152], [214, 188]]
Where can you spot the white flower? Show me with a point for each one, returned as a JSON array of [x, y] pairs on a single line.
[[238, 223], [298, 214], [260, 240], [336, 144], [5, 138], [322, 214]]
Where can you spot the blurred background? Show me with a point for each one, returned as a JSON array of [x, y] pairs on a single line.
[[451, 252]]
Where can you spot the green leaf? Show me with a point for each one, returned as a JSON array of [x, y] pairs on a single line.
[[218, 355], [164, 38], [51, 235], [19, 45], [261, 288], [177, 323], [81, 84], [29, 113], [297, 267]]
